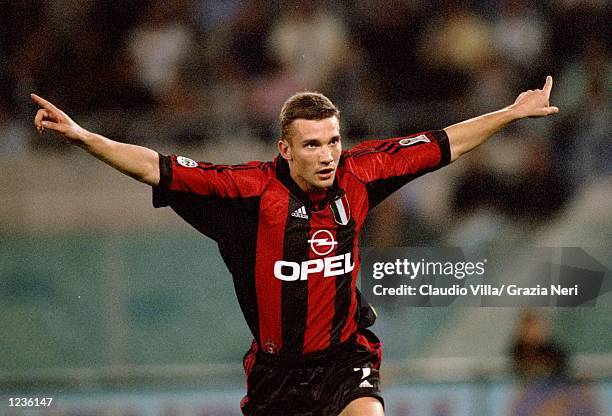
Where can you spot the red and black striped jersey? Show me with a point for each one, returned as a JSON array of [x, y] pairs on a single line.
[[295, 264]]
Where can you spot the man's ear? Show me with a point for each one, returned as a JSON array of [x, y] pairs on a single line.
[[284, 148]]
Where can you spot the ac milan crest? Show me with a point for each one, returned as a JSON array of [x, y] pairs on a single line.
[[341, 210]]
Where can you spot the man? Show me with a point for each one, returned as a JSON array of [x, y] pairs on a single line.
[[288, 232]]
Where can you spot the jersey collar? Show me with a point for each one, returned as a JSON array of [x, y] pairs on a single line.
[[284, 176]]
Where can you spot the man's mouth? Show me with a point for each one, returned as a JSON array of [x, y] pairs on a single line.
[[325, 173]]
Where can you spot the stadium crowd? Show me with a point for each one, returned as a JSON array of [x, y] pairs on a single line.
[[178, 74]]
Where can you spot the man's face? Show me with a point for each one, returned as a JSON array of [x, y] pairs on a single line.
[[312, 151]]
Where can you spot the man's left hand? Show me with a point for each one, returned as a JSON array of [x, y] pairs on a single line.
[[535, 103]]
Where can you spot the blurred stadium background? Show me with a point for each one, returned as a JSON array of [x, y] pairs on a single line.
[[114, 308]]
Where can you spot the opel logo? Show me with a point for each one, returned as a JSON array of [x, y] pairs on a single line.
[[322, 242]]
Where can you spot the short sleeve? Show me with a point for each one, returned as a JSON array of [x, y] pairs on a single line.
[[212, 198], [386, 165], [184, 175]]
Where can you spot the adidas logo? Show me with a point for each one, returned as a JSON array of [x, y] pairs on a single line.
[[300, 213]]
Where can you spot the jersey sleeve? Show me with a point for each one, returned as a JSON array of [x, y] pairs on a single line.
[[384, 166], [215, 199]]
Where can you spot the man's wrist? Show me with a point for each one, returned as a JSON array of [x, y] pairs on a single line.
[[512, 113], [86, 139]]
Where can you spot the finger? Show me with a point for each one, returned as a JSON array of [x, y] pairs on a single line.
[[547, 111], [43, 103], [51, 125], [521, 95], [548, 85], [552, 110], [40, 116]]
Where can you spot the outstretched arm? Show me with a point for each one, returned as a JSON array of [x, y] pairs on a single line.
[[471, 133], [138, 162]]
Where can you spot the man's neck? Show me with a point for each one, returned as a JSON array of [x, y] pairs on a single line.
[[317, 196]]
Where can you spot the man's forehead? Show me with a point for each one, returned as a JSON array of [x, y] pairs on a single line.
[[308, 129]]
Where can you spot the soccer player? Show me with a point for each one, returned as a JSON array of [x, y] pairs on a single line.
[[288, 232]]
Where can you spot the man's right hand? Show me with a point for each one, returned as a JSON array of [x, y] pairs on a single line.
[[52, 118], [138, 162]]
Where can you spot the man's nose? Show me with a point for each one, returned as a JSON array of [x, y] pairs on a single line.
[[326, 155]]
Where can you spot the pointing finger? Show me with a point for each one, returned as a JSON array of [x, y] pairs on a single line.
[[43, 103], [548, 85]]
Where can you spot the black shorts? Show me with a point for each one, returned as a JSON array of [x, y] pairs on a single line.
[[315, 384]]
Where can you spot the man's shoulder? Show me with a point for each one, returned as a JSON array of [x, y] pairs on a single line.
[[357, 152], [252, 166], [350, 159], [261, 172], [248, 179], [368, 147]]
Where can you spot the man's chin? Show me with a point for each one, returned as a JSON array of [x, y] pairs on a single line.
[[322, 185], [326, 186]]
